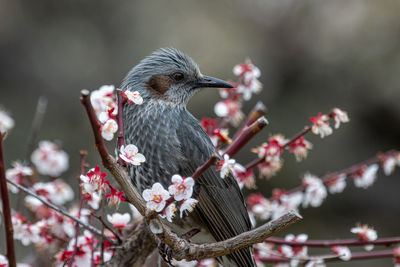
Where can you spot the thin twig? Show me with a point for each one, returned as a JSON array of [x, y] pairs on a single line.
[[205, 166], [82, 154], [8, 227], [36, 126], [100, 218], [120, 122], [59, 210]]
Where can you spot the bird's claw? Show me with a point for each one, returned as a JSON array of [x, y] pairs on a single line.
[[165, 252]]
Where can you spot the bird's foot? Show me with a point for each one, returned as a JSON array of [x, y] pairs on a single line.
[[165, 252]]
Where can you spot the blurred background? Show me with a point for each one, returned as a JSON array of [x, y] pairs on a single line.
[[313, 56]]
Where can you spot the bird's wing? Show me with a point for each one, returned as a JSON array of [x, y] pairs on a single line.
[[221, 204]]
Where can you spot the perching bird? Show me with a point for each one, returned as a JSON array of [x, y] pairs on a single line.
[[174, 142]]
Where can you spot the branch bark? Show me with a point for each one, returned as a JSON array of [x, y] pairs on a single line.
[[8, 227]]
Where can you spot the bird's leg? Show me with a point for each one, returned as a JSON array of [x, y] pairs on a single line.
[[166, 252], [190, 234]]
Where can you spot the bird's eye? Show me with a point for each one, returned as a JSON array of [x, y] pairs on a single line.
[[178, 76]]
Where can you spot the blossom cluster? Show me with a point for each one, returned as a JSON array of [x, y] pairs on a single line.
[[105, 106], [321, 124], [94, 185], [314, 190], [165, 201], [49, 159], [230, 108]]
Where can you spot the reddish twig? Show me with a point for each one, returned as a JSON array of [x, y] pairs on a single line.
[[354, 256], [205, 166], [120, 122], [82, 154], [330, 243], [8, 227], [245, 136], [100, 146], [258, 111]]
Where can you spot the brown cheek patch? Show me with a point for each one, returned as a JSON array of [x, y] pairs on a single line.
[[159, 84]]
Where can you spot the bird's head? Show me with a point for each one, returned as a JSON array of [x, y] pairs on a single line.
[[169, 75]]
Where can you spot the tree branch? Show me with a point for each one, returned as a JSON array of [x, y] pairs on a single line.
[[258, 111], [8, 227], [120, 122]]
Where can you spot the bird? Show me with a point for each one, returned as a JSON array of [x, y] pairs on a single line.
[[174, 142]]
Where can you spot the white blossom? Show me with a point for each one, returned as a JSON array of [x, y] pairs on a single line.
[[17, 173], [108, 129], [49, 159], [343, 252], [133, 97], [6, 122], [130, 155], [337, 184], [366, 177], [365, 233], [188, 205], [315, 191], [181, 188], [226, 166], [169, 212], [339, 116], [156, 197]]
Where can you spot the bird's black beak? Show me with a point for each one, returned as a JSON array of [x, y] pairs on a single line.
[[208, 81]]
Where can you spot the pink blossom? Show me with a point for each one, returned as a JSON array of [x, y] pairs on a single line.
[[156, 197], [343, 252], [6, 122], [315, 191], [294, 251], [96, 178], [114, 197], [49, 159], [243, 176], [321, 125], [108, 129], [169, 212], [119, 220], [187, 206], [225, 166], [133, 97], [230, 110], [339, 116], [365, 176], [336, 184], [247, 70], [130, 155], [365, 233], [285, 203], [16, 174], [300, 148], [181, 188]]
